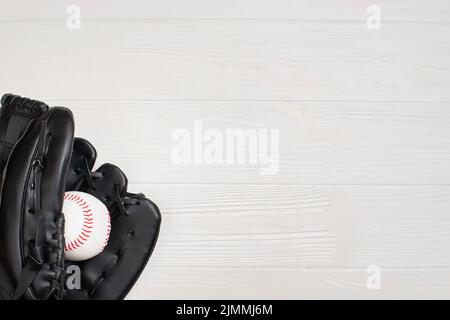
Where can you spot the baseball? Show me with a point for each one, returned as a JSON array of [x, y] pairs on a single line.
[[87, 226]]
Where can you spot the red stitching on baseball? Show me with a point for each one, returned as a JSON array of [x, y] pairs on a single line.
[[87, 223]]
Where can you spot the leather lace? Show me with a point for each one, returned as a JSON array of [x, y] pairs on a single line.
[[118, 200], [36, 246]]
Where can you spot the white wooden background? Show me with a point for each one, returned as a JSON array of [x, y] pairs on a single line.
[[364, 118]]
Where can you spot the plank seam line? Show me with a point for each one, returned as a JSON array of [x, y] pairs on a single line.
[[51, 100], [331, 21], [312, 268], [289, 184]]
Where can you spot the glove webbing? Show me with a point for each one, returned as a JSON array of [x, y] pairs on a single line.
[[118, 199]]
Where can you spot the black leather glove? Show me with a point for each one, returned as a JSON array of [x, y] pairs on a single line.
[[40, 160]]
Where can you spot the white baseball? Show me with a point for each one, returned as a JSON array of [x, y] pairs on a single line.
[[87, 226]]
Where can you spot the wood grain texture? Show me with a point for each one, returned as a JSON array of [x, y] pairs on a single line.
[[312, 10], [320, 142], [278, 283], [251, 226], [232, 60], [363, 117], [298, 242]]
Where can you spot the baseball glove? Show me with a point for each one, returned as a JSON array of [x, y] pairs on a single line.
[[40, 160]]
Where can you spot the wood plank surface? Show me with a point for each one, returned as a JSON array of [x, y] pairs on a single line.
[[232, 60], [364, 137]]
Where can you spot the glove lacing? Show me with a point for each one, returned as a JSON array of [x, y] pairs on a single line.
[[36, 247], [117, 202], [117, 199]]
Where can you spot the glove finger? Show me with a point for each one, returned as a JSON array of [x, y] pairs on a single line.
[[31, 222], [81, 163]]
